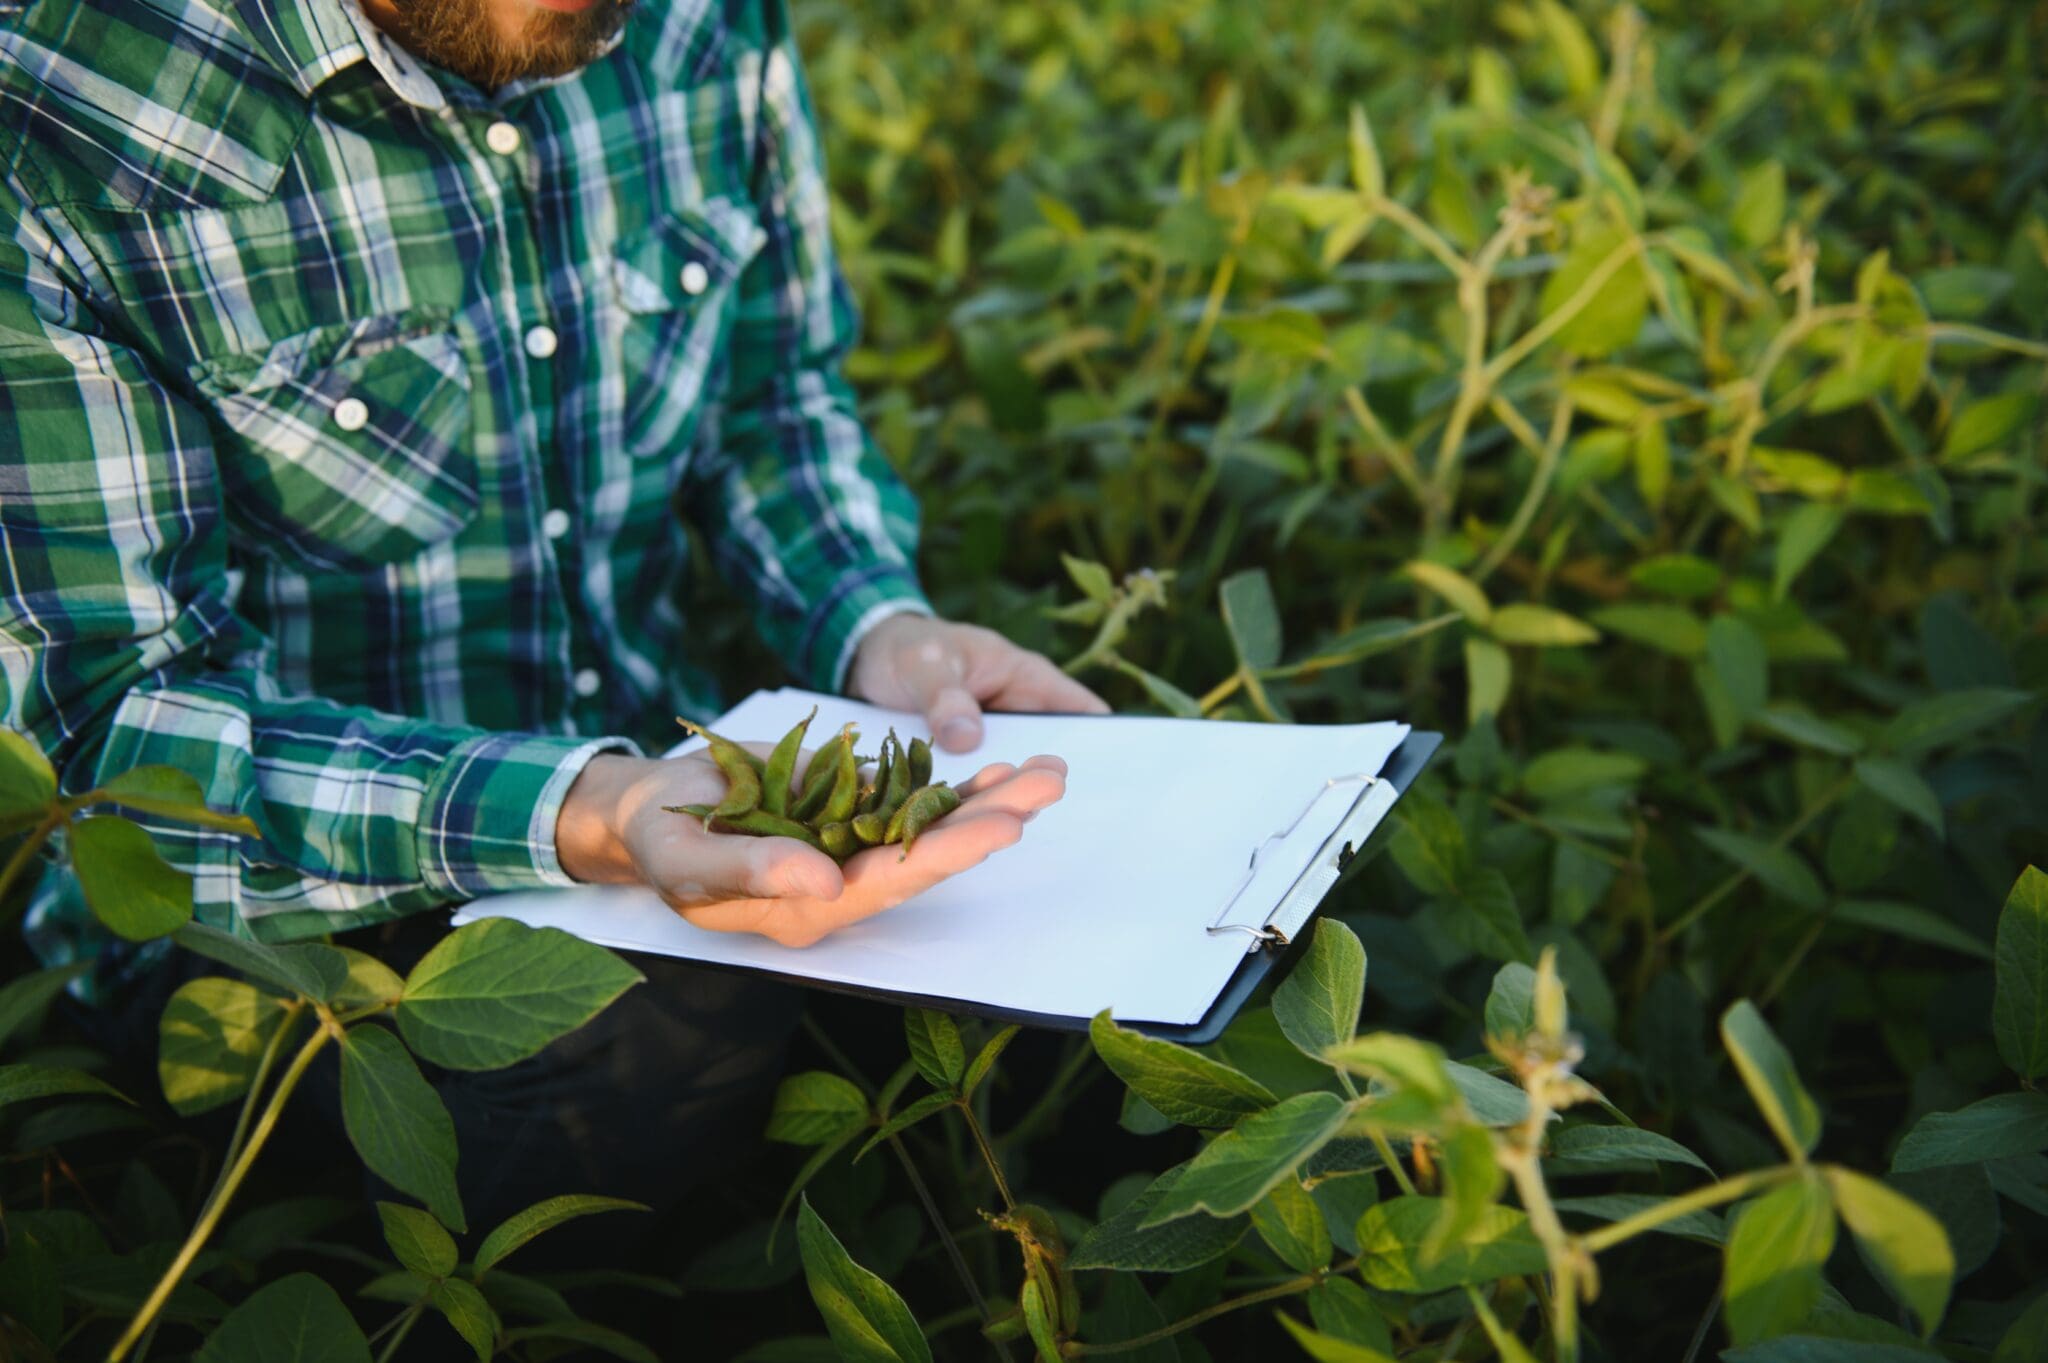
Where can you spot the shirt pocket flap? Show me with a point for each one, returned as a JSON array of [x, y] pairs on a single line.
[[683, 259]]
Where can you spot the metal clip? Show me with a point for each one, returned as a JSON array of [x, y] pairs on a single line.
[[1264, 934]]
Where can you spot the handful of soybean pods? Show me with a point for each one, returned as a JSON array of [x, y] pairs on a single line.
[[833, 809]]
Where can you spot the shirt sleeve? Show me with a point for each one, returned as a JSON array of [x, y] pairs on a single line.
[[120, 646], [800, 507]]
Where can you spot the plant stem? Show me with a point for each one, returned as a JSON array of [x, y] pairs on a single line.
[[1059, 1093], [931, 1209], [1379, 1143], [1547, 453], [234, 1149], [210, 1217], [988, 1155], [1292, 1287], [1699, 1199], [1735, 879], [405, 1324], [25, 854]]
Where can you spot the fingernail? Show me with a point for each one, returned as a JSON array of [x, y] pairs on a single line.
[[960, 734]]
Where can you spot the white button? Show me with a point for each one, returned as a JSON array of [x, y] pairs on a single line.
[[587, 681], [555, 524], [502, 138], [541, 342], [351, 414], [695, 278]]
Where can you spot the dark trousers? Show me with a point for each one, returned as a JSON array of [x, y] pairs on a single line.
[[651, 1099]]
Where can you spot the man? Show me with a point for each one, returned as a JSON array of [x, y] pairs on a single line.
[[354, 366]]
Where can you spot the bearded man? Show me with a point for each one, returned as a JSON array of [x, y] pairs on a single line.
[[366, 369]]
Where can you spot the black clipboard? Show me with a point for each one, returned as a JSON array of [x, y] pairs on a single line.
[[1402, 766]]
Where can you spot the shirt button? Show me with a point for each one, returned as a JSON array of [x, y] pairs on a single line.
[[541, 342], [695, 278], [555, 524], [351, 414], [502, 138], [587, 681]]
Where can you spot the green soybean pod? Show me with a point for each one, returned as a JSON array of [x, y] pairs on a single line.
[[819, 775], [869, 828], [900, 784], [715, 740], [920, 763], [839, 805], [923, 810], [755, 822], [894, 831], [839, 840], [871, 795], [781, 763]]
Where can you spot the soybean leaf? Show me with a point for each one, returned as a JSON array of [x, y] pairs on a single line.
[[1500, 1244], [1244, 1163], [1759, 208], [310, 969], [1615, 312], [815, 1107], [1252, 618], [128, 884], [1340, 1307], [1986, 424], [1669, 629], [1493, 1100], [1909, 921], [1998, 1127], [1905, 1245], [1774, 1257], [1703, 1226], [1459, 592], [1292, 1226], [1182, 1084], [1164, 693], [297, 1319], [1092, 578], [1368, 175], [496, 991], [20, 1083], [1781, 870], [1416, 1085], [1588, 1148], [1796, 725], [1038, 1324], [985, 1060], [1899, 784], [397, 1122], [1484, 916], [1540, 626], [369, 981], [29, 1291], [24, 998], [1736, 653], [1805, 531], [210, 1040], [935, 1045], [417, 1240], [466, 1310], [1773, 1082], [1126, 1243], [174, 794], [2019, 1008], [28, 783], [908, 1117], [1511, 1003], [1941, 720], [604, 1338], [1365, 640], [1325, 1348], [1317, 1004], [1568, 771], [520, 1227], [868, 1322], [1472, 1180]]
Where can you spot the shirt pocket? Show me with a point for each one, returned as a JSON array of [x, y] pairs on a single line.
[[347, 447], [675, 285]]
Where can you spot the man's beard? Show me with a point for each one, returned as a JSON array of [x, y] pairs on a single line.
[[459, 36]]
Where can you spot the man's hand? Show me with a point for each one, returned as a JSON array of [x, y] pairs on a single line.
[[949, 673], [613, 830]]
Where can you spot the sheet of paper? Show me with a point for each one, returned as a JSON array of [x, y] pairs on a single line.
[[1105, 902]]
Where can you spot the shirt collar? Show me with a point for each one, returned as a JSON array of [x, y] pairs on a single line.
[[313, 40]]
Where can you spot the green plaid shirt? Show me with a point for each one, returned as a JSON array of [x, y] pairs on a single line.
[[354, 425]]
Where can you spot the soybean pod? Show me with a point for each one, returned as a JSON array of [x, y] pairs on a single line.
[[781, 764], [818, 777], [920, 763], [845, 794], [758, 822], [925, 808], [742, 773]]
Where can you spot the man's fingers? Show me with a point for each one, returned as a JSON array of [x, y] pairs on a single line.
[[949, 847], [955, 719], [1025, 793], [986, 777], [1035, 684], [739, 866]]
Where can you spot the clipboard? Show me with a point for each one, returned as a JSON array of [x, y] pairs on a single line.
[[1276, 937]]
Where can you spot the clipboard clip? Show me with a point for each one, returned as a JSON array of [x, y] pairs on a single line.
[[1265, 934]]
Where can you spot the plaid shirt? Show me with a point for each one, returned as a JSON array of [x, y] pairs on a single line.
[[354, 424]]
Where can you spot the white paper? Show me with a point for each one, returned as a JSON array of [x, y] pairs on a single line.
[[1106, 901]]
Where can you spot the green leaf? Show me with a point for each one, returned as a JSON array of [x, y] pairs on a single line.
[[466, 1310], [1909, 921], [1292, 1226], [297, 1319], [935, 1046], [1489, 672], [1430, 845], [496, 991], [1390, 1235], [1343, 1309], [20, 1083], [1782, 871], [1805, 531], [1126, 1243], [1998, 1127], [173, 794], [1572, 46], [1908, 1248], [1806, 730], [618, 1345], [815, 1107], [1317, 1004], [1252, 618], [24, 999], [1941, 720], [868, 1322], [1288, 333], [1686, 576], [1583, 1149], [1368, 176], [1164, 693], [417, 1240], [1244, 1163], [2026, 1339], [911, 1116], [1038, 1322], [1367, 640], [1485, 917], [311, 969], [1736, 653], [1418, 1086], [1987, 424], [28, 783], [1615, 312], [211, 1038], [128, 884], [1774, 1257], [1650, 451], [1521, 623], [520, 1227], [1329, 1348], [1472, 1180], [985, 1060], [1767, 1071], [1669, 629], [1188, 1087], [1568, 771], [1511, 1002], [2019, 1008], [1704, 1227], [369, 981], [397, 1122], [1758, 213], [1092, 578], [1459, 592], [1899, 784]]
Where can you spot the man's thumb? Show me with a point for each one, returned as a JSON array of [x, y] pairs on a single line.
[[955, 717]]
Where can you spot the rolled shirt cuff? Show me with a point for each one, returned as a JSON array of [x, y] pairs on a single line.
[[487, 823]]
